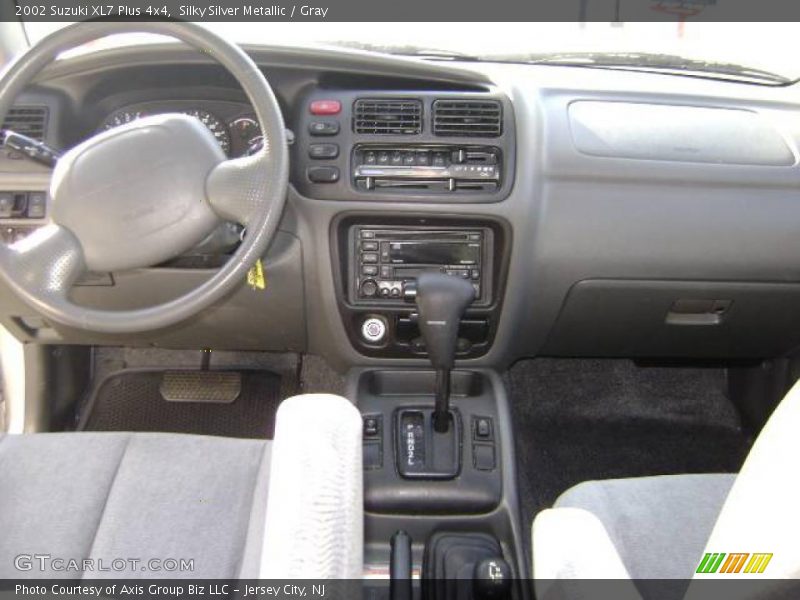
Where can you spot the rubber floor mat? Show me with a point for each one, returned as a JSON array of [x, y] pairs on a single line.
[[132, 401]]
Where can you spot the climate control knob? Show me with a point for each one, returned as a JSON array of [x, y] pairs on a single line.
[[369, 288]]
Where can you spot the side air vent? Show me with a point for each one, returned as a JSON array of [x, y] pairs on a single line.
[[467, 118], [27, 120], [393, 116]]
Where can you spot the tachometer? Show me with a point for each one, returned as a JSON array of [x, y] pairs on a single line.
[[213, 123], [247, 130]]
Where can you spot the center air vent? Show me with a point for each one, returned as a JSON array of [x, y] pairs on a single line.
[[386, 115], [27, 120], [467, 118]]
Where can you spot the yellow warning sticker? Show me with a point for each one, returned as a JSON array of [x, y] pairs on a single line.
[[255, 276]]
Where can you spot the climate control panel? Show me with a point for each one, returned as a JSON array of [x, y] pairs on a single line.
[[429, 167]]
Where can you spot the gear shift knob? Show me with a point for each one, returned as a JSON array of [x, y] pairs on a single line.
[[441, 302]]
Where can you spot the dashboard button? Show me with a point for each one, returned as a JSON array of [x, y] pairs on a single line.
[[6, 204], [36, 205], [369, 258], [325, 107], [371, 270], [323, 174], [369, 288], [369, 246], [323, 151], [323, 128]]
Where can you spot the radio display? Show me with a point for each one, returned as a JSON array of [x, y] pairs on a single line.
[[434, 253]]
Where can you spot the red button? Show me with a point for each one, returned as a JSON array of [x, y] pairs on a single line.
[[325, 107]]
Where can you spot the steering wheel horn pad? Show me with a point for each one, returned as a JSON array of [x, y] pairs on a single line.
[[134, 195], [140, 194]]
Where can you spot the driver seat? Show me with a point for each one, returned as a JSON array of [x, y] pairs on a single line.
[[133, 505]]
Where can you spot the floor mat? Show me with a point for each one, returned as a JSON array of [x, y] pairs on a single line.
[[576, 420], [131, 401]]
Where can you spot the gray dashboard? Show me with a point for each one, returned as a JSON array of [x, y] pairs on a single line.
[[647, 214]]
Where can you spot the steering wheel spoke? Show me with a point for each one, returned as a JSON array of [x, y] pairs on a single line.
[[45, 264], [236, 188]]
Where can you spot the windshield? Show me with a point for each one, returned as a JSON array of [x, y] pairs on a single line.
[[764, 47]]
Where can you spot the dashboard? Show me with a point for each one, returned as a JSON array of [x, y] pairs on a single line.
[[597, 212]]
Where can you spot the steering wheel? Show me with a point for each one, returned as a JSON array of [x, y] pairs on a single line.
[[142, 193]]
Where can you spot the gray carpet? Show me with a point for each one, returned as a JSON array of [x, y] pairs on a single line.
[[577, 420]]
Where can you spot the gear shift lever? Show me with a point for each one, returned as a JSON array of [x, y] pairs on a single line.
[[441, 302]]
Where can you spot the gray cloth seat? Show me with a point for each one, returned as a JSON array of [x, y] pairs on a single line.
[[132, 496], [658, 525]]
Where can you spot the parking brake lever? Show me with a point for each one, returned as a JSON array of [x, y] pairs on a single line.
[[400, 583]]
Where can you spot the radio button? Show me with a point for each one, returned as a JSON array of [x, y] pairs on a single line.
[[369, 246], [475, 274], [369, 257], [396, 292], [366, 234], [423, 159], [397, 158], [439, 159], [408, 159], [371, 270], [385, 292], [370, 158], [386, 272], [383, 158]]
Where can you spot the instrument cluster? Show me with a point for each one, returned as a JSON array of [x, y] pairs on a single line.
[[232, 124]]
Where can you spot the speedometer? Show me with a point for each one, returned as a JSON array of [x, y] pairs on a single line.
[[213, 123], [215, 126]]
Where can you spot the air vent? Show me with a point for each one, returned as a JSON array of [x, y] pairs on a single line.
[[394, 116], [467, 118], [27, 120]]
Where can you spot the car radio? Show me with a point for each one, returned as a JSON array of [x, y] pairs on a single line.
[[438, 167], [388, 260]]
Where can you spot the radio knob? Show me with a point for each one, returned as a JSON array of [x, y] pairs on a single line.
[[369, 288]]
